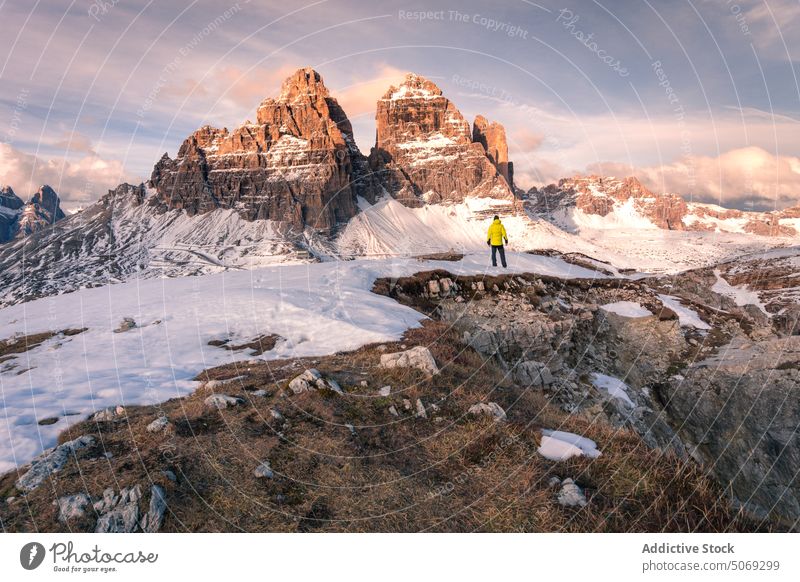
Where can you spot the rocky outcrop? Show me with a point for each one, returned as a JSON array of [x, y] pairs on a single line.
[[424, 150], [297, 164], [737, 412], [10, 205], [601, 196], [492, 136], [18, 219]]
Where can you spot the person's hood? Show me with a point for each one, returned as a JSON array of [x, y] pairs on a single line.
[[496, 220]]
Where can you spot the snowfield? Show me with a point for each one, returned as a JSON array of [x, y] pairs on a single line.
[[318, 309], [626, 309]]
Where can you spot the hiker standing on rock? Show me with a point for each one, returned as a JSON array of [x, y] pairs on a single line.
[[497, 234]]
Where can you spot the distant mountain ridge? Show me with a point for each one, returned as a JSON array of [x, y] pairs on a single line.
[[609, 202], [19, 219]]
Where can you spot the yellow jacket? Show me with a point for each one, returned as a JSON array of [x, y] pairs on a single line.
[[497, 232]]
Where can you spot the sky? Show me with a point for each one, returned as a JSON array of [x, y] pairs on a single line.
[[696, 97]]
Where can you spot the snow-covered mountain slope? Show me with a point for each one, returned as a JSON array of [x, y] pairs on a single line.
[[390, 228], [122, 236], [608, 203], [768, 279], [316, 309]]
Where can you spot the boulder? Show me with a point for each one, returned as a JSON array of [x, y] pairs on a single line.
[[570, 495], [110, 413], [126, 324], [264, 471], [222, 401], [417, 357], [491, 409], [312, 379], [158, 425]]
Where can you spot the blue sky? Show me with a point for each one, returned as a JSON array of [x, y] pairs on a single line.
[[695, 97]]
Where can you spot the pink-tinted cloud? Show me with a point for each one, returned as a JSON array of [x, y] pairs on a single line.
[[77, 182]]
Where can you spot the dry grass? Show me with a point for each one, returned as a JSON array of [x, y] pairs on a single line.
[[392, 474]]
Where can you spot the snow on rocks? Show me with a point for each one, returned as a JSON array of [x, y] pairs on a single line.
[[158, 425], [222, 401], [418, 357], [558, 445], [615, 387], [491, 409], [687, 317], [626, 309], [51, 462], [312, 379], [263, 471], [126, 324], [71, 506], [570, 495]]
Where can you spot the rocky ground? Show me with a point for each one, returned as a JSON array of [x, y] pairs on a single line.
[[657, 426]]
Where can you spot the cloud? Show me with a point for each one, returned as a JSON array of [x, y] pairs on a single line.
[[361, 96], [77, 182]]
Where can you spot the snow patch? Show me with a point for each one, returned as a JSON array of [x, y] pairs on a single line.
[[626, 309], [558, 445], [687, 317], [613, 386]]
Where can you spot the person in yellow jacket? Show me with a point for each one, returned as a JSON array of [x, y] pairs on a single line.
[[495, 237]]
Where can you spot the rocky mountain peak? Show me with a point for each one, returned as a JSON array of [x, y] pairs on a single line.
[[424, 149], [48, 203], [304, 83], [9, 200], [298, 164]]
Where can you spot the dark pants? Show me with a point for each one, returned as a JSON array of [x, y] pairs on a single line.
[[502, 251]]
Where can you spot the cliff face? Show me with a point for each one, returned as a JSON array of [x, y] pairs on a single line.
[[18, 219], [492, 136], [298, 164], [424, 150]]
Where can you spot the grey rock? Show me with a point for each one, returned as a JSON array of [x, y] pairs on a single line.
[[264, 471], [154, 518], [491, 409], [570, 495], [126, 324], [421, 409], [158, 425], [72, 506], [385, 391], [312, 379], [418, 357], [50, 462], [222, 401], [111, 413], [533, 373], [124, 516], [738, 414]]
